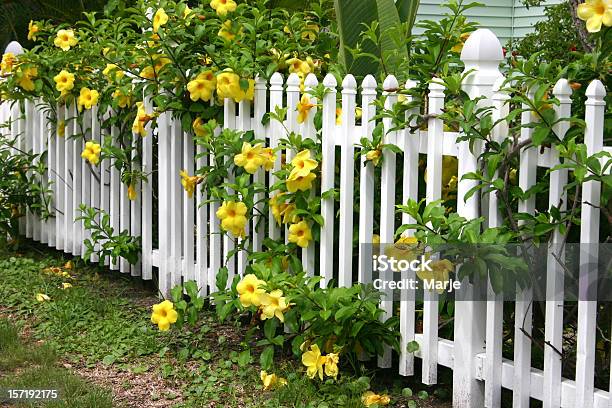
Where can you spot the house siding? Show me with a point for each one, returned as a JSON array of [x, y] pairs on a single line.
[[506, 18]]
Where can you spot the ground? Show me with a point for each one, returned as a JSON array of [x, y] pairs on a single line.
[[94, 342]]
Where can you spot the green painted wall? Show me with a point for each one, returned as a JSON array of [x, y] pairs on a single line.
[[507, 18]]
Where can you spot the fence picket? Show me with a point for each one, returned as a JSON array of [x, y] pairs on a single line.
[[410, 145], [115, 192], [387, 205], [147, 197], [308, 131], [589, 237], [276, 132]]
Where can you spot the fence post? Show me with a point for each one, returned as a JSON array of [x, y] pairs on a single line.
[[481, 54]]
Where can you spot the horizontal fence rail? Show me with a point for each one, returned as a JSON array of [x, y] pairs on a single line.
[[184, 242]]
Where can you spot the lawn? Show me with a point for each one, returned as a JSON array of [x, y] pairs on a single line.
[[94, 342]]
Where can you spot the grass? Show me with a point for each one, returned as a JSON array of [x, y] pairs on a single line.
[[99, 331], [26, 366]]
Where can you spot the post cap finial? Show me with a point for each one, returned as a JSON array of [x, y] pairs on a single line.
[[14, 48], [482, 45]]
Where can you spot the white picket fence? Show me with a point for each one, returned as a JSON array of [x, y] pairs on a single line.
[[190, 246]]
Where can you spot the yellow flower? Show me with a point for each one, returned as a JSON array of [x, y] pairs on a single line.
[[199, 127], [269, 158], [227, 31], [69, 265], [66, 285], [88, 98], [112, 72], [65, 39], [595, 13], [271, 381], [331, 365], [142, 118], [164, 315], [8, 62], [64, 81], [147, 72], [374, 156], [222, 7], [405, 248], [459, 46], [300, 183], [297, 65], [228, 85], [250, 158], [273, 304], [375, 239], [32, 30], [247, 94], [250, 290], [358, 113], [202, 87], [369, 399], [300, 234], [189, 182], [438, 273], [282, 212], [304, 106], [123, 100], [310, 32], [61, 128], [160, 19], [313, 360], [25, 78], [302, 164], [449, 169], [233, 217], [41, 297], [91, 153], [186, 12], [338, 116], [131, 192]]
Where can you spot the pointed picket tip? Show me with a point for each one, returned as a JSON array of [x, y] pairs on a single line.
[[14, 48], [276, 79], [330, 81], [349, 83], [596, 90], [482, 45], [562, 88], [369, 82], [311, 81], [390, 84], [294, 80], [411, 83]]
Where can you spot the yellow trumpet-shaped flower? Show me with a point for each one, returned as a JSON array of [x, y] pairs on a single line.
[[228, 85], [304, 106], [247, 94], [273, 304], [439, 273], [459, 46], [91, 153], [41, 297], [269, 158], [310, 32], [33, 29], [250, 158], [88, 98], [199, 127], [164, 315], [64, 81], [374, 156], [369, 399], [222, 7], [123, 100], [8, 62], [202, 86], [271, 381], [26, 78], [314, 361], [331, 365], [250, 289], [142, 118], [595, 13], [113, 72], [228, 30], [300, 234], [300, 183], [281, 211], [233, 217], [302, 165], [132, 193], [159, 19], [189, 182], [65, 39], [296, 65]]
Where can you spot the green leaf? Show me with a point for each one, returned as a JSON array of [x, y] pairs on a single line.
[[244, 358], [539, 135], [266, 357], [412, 347]]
